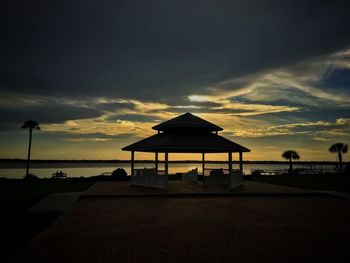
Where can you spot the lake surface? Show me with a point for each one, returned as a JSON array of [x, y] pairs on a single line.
[[45, 170]]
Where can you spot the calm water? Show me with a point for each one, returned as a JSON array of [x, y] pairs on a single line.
[[88, 169]]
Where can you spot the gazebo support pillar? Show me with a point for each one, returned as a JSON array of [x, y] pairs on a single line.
[[166, 163], [230, 164], [132, 163], [203, 164], [156, 162], [241, 162]]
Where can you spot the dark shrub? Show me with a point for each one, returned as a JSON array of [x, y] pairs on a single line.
[[119, 174], [256, 172], [31, 177], [347, 169]]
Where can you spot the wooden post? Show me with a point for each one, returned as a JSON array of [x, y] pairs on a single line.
[[156, 162], [132, 163], [241, 162], [166, 163], [203, 164]]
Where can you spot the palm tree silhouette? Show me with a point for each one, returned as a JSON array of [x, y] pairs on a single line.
[[30, 125], [341, 149], [290, 155]]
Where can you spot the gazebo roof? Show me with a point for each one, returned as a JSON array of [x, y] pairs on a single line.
[[187, 121], [186, 134], [186, 143]]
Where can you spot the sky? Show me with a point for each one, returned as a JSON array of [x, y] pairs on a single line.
[[97, 75]]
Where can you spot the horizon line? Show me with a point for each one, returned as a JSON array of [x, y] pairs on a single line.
[[146, 160]]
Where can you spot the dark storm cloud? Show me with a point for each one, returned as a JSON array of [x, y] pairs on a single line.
[[113, 106], [18, 107], [313, 114], [158, 50], [54, 113]]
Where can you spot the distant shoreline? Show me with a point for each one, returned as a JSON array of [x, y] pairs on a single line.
[[2, 161]]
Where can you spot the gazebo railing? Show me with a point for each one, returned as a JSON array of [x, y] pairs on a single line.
[[149, 177], [221, 176], [190, 175], [215, 175], [161, 172], [236, 178]]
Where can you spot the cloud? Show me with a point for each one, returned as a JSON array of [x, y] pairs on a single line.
[[152, 51], [320, 130], [100, 126], [87, 140], [48, 113], [301, 84], [16, 108], [321, 139], [131, 117], [226, 106]]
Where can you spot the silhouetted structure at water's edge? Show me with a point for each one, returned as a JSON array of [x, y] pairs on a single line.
[[186, 134]]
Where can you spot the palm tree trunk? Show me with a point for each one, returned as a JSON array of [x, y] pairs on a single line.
[[340, 157], [29, 148]]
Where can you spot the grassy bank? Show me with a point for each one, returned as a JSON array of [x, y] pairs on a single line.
[[315, 182], [17, 226]]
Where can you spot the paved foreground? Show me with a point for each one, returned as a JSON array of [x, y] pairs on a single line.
[[180, 187], [216, 229], [56, 202]]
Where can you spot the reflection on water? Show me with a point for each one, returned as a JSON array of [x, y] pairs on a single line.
[[97, 169]]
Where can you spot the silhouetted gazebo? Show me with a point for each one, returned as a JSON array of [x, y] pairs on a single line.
[[186, 133]]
